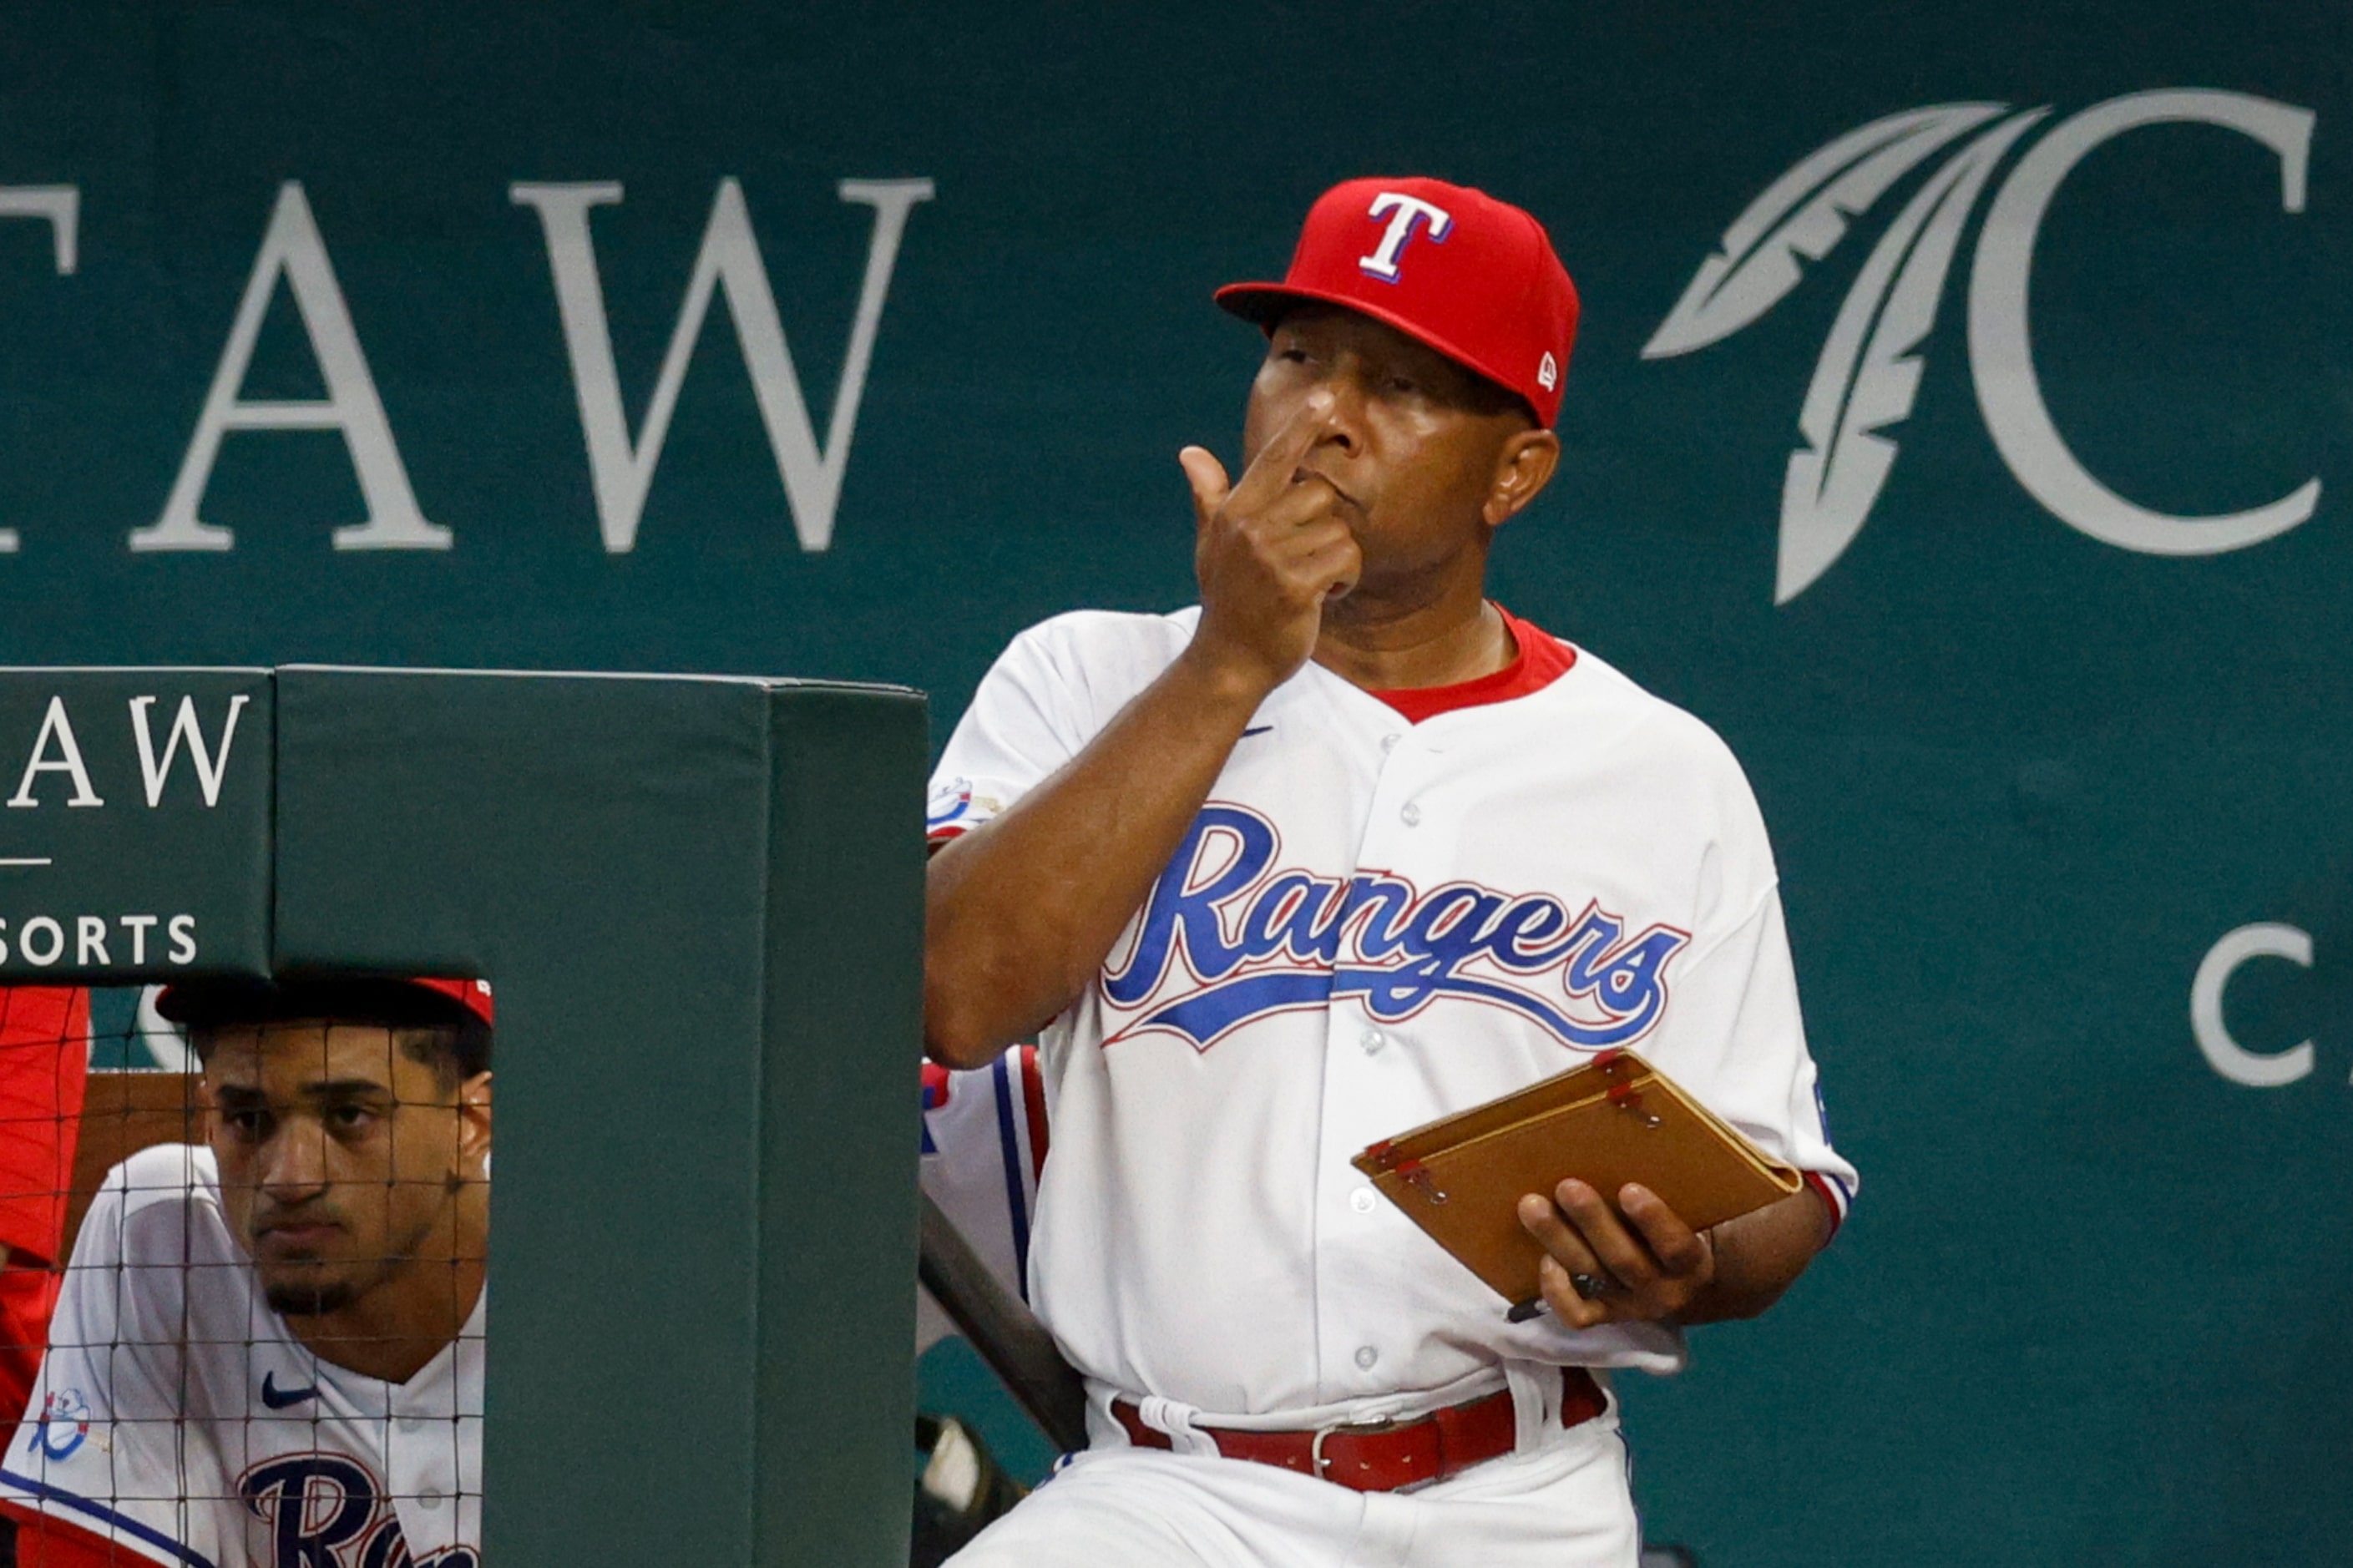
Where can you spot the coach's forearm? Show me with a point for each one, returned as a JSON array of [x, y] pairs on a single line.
[[1021, 912], [1759, 1256]]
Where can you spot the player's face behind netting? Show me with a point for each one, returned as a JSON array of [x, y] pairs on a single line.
[[266, 1349], [354, 1166]]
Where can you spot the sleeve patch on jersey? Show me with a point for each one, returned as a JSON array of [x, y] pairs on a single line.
[[63, 1425], [950, 804], [955, 808]]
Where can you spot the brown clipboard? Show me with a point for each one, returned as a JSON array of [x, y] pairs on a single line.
[[1614, 1120]]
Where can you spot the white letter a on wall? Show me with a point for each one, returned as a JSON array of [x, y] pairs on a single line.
[[621, 469], [292, 249]]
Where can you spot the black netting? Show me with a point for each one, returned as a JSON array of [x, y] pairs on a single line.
[[243, 1307]]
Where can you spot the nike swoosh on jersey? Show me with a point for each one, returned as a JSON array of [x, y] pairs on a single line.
[[279, 1398], [1260, 730]]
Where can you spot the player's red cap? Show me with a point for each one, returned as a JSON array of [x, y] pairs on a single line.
[[225, 1001], [1453, 268], [474, 995]]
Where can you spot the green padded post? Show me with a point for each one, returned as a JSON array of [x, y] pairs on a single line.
[[837, 1205], [701, 903]]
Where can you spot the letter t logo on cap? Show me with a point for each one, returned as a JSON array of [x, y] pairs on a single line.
[[1410, 213]]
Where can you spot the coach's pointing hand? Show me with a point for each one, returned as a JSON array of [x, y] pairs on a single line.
[[1268, 553]]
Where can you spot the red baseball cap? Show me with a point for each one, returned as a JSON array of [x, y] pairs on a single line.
[[248, 1001], [1474, 278], [474, 995]]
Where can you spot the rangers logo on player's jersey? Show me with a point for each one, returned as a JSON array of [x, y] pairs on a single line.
[[1226, 937], [328, 1510]]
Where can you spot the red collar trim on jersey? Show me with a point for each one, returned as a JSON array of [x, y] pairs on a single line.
[[1543, 658]]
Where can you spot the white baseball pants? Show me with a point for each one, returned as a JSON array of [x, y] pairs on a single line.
[[1565, 1505]]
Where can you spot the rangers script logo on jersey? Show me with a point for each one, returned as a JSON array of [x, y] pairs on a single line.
[[1226, 937], [325, 1510]]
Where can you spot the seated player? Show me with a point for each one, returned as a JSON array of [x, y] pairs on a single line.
[[268, 1350]]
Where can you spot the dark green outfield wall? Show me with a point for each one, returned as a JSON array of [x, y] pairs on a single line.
[[2035, 733]]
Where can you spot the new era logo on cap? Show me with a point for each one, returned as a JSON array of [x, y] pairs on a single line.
[[1449, 265]]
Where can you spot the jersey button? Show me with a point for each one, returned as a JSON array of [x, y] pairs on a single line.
[[1363, 1200], [431, 1496], [1372, 1040], [1388, 743], [1410, 814], [1365, 1356]]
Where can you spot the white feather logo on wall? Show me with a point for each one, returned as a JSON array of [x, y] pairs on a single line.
[[1869, 371], [1803, 214]]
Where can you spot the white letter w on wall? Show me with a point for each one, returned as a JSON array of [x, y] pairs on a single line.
[[210, 765], [621, 468]]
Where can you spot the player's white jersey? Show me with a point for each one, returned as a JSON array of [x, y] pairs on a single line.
[[177, 1416], [1372, 923], [984, 1144]]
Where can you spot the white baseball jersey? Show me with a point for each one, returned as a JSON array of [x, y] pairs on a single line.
[[1372, 922], [178, 1417], [984, 1144]]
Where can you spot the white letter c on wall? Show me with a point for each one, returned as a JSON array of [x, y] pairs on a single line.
[[2256, 1069], [2001, 352]]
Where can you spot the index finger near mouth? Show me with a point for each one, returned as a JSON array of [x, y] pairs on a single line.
[[1269, 472]]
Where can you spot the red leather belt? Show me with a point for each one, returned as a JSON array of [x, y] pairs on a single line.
[[1383, 1456]]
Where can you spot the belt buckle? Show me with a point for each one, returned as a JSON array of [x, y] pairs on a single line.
[[1318, 1464]]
